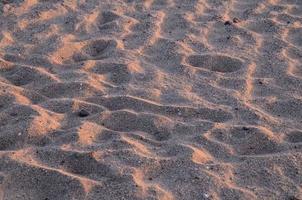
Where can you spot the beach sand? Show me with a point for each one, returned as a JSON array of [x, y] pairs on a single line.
[[150, 99]]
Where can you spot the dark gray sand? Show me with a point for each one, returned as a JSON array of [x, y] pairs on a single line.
[[150, 99]]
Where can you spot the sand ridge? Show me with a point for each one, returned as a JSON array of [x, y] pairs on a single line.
[[152, 99]]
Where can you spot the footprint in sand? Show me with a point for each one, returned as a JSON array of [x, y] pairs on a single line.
[[107, 17], [100, 47], [216, 63], [294, 137]]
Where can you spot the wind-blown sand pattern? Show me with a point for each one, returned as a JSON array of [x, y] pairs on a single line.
[[150, 99]]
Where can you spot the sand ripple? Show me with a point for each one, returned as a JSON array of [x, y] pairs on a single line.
[[153, 99]]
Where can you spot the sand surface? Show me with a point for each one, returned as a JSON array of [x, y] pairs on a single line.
[[150, 99]]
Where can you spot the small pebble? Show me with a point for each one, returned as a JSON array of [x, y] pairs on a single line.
[[227, 23], [13, 114], [236, 20], [83, 113], [245, 128]]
